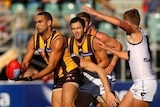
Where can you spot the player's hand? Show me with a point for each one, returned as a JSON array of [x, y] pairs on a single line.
[[29, 78], [23, 68], [88, 9], [111, 100], [109, 69], [101, 44]]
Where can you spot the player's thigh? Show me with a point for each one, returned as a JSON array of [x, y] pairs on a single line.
[[56, 97], [84, 99], [140, 103], [127, 100], [102, 104], [69, 92]]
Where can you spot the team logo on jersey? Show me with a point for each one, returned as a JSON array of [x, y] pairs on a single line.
[[73, 55], [135, 76], [86, 54], [69, 75], [80, 50], [146, 59], [40, 50], [48, 49]]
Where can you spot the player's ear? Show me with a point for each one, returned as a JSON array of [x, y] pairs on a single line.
[[90, 23], [49, 22], [85, 29]]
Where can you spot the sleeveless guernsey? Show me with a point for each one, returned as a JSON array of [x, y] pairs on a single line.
[[140, 60]]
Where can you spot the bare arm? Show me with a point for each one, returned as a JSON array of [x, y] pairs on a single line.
[[121, 54], [112, 43], [94, 68], [28, 55], [101, 55], [56, 55], [111, 19]]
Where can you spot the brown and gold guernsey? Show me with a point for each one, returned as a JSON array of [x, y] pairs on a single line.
[[43, 47], [66, 65], [92, 32], [86, 49]]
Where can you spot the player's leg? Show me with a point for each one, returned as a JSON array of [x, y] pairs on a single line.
[[140, 103], [56, 97], [102, 104], [145, 96], [101, 100], [69, 94], [57, 92], [127, 100], [84, 99]]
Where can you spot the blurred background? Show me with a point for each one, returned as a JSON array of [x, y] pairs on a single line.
[[17, 26]]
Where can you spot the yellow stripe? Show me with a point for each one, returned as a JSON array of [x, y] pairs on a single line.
[[75, 48]]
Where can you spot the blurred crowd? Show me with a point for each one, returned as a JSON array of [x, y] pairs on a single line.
[[16, 16]]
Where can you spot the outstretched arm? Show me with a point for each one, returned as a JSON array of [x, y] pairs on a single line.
[[121, 54], [111, 100], [111, 19]]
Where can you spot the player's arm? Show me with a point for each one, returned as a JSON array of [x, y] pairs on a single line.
[[57, 47], [89, 66], [28, 55], [111, 19], [113, 43], [101, 54], [121, 54]]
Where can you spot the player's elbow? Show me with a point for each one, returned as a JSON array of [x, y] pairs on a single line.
[[105, 63], [120, 46]]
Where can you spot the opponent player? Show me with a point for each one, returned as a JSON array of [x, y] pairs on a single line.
[[144, 88], [52, 46], [109, 69], [83, 44]]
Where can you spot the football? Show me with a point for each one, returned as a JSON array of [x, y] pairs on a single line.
[[13, 69]]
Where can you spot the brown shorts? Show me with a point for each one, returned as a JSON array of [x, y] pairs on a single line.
[[73, 76]]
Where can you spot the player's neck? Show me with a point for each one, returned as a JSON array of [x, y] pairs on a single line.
[[80, 41], [46, 35]]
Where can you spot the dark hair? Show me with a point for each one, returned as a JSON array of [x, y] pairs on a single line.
[[47, 15], [78, 19], [132, 16], [84, 15]]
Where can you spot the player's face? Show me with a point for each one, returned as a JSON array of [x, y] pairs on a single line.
[[77, 30], [41, 24]]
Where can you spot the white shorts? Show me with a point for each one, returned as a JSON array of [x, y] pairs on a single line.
[[144, 90]]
